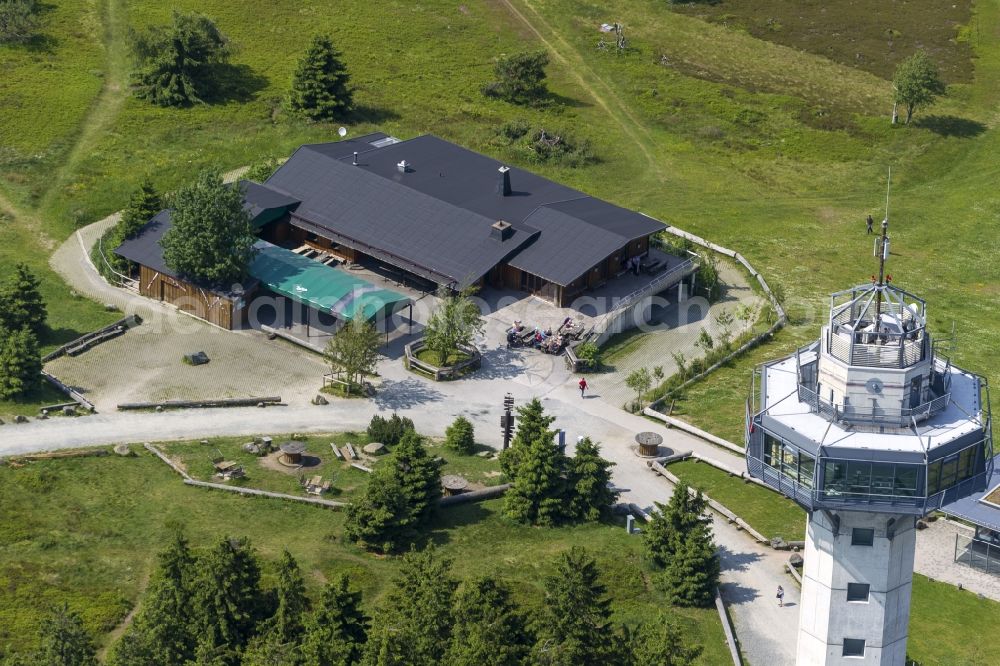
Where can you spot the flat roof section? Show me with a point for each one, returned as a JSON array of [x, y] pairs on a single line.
[[972, 507], [780, 401], [321, 287]]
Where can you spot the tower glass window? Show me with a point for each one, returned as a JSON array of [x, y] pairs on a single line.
[[858, 591], [854, 647], [862, 536]]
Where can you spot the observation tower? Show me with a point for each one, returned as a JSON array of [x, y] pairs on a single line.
[[868, 428]]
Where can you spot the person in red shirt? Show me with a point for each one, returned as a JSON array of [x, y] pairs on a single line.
[[583, 385]]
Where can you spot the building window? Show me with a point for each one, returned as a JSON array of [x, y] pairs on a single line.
[[854, 647], [862, 536], [858, 591]]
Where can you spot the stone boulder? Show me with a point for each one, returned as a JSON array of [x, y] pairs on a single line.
[[320, 400], [375, 449], [795, 560], [123, 450]]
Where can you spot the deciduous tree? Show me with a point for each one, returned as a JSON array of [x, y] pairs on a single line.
[[353, 350], [639, 381], [175, 63], [210, 239], [455, 322], [917, 83], [320, 86]]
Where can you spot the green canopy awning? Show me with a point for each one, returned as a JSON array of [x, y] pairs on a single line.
[[326, 289]]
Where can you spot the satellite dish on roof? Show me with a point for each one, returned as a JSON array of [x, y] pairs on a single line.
[[342, 131]]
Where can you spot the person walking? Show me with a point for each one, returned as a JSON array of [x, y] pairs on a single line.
[[869, 222], [582, 385], [781, 596]]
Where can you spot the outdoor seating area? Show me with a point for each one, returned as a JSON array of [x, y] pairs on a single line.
[[315, 485], [547, 341], [228, 470]]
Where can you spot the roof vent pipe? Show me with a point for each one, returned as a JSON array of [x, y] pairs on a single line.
[[355, 162], [503, 185]]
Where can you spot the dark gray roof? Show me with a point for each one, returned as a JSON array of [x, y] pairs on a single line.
[[145, 248], [396, 223], [971, 509], [259, 198], [437, 215]]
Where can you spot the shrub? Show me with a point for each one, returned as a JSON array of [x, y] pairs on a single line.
[[391, 430], [520, 78], [590, 353]]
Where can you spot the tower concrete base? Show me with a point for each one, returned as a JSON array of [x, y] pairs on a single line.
[[831, 628]]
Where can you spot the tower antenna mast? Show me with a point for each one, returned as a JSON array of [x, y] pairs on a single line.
[[883, 248]]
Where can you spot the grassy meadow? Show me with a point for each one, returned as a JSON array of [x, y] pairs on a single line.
[[86, 531]]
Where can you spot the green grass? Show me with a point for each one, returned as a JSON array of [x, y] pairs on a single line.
[[950, 627], [765, 510], [85, 531], [432, 357]]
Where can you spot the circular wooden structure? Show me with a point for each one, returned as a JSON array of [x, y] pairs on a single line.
[[649, 444], [291, 453], [453, 484]]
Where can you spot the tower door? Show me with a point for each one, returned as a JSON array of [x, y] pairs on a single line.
[[915, 391]]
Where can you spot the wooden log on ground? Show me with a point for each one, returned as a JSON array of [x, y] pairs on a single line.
[[336, 451], [75, 453], [198, 404], [367, 470], [174, 466], [95, 337], [330, 504], [475, 495], [351, 452], [72, 393]]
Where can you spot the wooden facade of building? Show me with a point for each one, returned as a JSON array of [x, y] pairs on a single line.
[[221, 310]]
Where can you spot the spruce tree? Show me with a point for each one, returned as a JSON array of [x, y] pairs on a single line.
[[665, 533], [210, 239], [163, 630], [227, 600], [287, 622], [413, 625], [20, 363], [661, 643], [574, 626], [489, 629], [461, 436], [692, 575], [591, 495], [540, 488], [64, 641], [337, 631], [269, 650], [21, 302], [532, 424], [320, 89], [142, 206], [379, 519]]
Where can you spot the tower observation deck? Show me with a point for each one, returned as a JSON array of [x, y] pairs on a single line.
[[867, 428]]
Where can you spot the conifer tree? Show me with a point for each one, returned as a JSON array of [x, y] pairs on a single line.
[[64, 641], [540, 488], [591, 495], [574, 626], [163, 632], [144, 203], [661, 643], [692, 575], [21, 302], [413, 625], [461, 436], [337, 631], [489, 629], [320, 89], [269, 650], [20, 363], [532, 424], [664, 534], [227, 600], [287, 622]]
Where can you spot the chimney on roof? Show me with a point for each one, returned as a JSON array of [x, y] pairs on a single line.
[[355, 162], [403, 166], [503, 185], [501, 230]]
